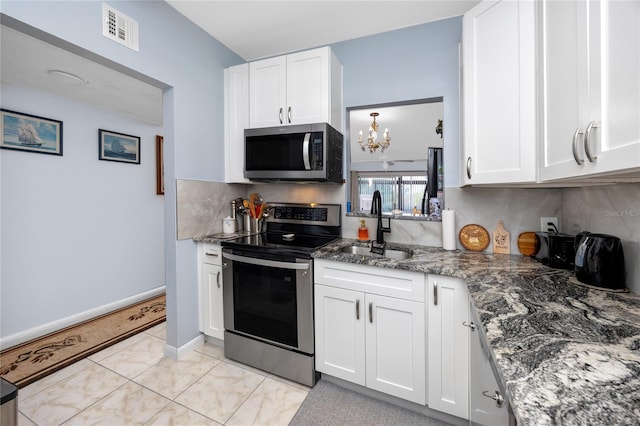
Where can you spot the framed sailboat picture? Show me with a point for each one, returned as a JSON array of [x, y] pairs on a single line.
[[27, 132], [114, 146]]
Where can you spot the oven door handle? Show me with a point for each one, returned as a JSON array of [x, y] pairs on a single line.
[[263, 262]]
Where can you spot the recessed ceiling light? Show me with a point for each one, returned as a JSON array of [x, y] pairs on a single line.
[[67, 77]]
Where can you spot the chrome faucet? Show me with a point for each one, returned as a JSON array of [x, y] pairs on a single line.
[[377, 246]]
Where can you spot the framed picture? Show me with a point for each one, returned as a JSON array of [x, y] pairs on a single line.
[[27, 132], [159, 165], [114, 146]]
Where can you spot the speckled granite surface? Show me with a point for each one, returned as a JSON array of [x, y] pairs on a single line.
[[566, 354]]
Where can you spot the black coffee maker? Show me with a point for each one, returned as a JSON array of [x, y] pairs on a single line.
[[600, 261]]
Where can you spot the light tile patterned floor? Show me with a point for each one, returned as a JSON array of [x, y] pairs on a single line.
[[132, 383]]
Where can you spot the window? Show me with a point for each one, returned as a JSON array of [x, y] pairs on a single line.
[[399, 191]]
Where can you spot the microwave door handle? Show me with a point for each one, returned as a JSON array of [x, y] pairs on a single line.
[[305, 151]]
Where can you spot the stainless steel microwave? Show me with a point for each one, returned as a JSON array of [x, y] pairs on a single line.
[[301, 153]]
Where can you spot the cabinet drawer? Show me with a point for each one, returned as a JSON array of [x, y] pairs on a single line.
[[371, 279], [211, 254]]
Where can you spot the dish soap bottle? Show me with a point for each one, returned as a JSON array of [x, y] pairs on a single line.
[[363, 231]]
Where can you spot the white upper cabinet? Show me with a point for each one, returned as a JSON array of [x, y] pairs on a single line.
[[590, 88], [299, 88], [499, 93], [236, 119]]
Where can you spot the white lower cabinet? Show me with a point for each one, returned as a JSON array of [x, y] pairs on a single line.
[[370, 327], [210, 290], [448, 345]]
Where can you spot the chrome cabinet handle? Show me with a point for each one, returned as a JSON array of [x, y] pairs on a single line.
[[574, 147], [218, 279], [471, 325], [357, 309], [371, 312], [435, 293], [469, 167], [498, 398], [212, 254], [587, 140], [289, 115], [280, 115]]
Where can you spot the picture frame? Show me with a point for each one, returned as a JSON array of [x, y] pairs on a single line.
[[31, 133], [120, 147], [159, 165]]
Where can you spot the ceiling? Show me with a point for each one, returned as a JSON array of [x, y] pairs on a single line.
[[259, 29], [252, 29], [31, 62]]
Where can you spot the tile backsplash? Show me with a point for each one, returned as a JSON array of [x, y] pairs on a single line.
[[613, 209]]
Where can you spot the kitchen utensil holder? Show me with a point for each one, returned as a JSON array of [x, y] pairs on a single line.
[[255, 225]]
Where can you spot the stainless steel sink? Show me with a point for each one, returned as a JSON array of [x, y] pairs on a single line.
[[366, 251]]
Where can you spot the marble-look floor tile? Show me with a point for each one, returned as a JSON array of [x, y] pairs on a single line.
[[159, 330], [113, 349], [130, 404], [66, 398], [24, 420], [211, 350], [170, 377], [177, 415], [272, 403], [37, 386], [219, 393], [137, 358]]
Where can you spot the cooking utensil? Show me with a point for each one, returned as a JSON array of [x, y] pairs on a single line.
[[528, 243]]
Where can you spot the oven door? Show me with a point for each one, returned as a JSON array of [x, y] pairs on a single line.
[[269, 299]]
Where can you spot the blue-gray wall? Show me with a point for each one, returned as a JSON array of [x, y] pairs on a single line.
[[190, 64], [411, 63]]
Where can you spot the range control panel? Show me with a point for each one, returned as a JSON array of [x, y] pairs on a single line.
[[315, 214]]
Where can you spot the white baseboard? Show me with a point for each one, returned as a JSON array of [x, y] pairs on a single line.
[[44, 329], [179, 353]]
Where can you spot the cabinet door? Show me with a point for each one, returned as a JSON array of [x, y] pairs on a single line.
[[211, 315], [339, 329], [395, 340], [499, 93], [448, 345], [483, 410], [267, 92], [308, 87], [615, 73], [564, 88], [236, 113], [591, 89]]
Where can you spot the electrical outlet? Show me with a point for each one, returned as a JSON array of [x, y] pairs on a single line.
[[545, 224]]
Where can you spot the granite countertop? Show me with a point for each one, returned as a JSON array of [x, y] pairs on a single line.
[[565, 353]]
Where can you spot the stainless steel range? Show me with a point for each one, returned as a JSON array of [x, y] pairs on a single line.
[[268, 290]]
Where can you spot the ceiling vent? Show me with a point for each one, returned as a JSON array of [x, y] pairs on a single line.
[[119, 27]]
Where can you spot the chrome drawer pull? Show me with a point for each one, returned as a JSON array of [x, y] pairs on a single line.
[[497, 398], [587, 140], [574, 147], [435, 293]]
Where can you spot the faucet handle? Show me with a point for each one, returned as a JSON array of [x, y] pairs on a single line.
[[378, 248], [388, 227]]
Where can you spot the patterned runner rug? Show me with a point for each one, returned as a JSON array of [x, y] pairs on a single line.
[[30, 361]]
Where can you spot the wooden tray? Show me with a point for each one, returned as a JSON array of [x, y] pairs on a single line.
[[474, 237]]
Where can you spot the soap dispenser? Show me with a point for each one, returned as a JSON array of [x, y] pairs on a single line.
[[363, 231]]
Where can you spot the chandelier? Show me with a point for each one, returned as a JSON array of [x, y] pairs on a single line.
[[372, 143]]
